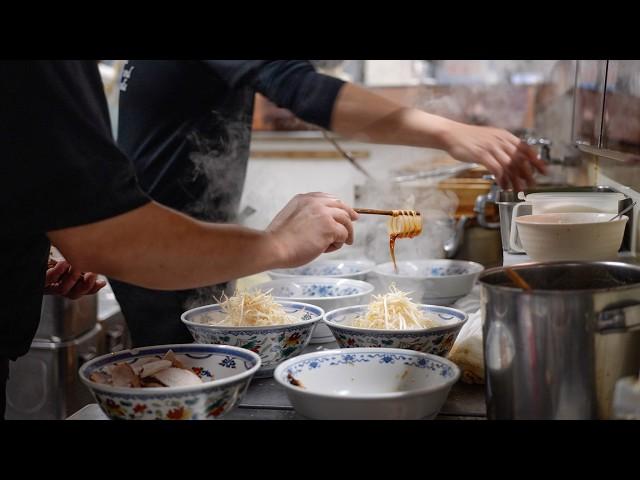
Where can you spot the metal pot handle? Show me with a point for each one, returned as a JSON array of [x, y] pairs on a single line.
[[615, 320]]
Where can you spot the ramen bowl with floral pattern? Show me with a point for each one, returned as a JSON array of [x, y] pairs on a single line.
[[436, 340], [433, 282], [225, 372], [273, 344], [324, 292], [367, 384]]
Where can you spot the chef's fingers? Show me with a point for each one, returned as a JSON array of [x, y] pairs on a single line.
[[532, 156], [337, 203], [333, 247], [344, 220], [496, 168], [68, 281], [54, 273], [341, 235], [99, 284], [84, 285], [517, 166]]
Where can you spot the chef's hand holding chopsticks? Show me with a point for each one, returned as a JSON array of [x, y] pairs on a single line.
[[312, 224], [62, 279]]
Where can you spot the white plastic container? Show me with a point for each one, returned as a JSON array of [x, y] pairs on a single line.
[[626, 399], [561, 202]]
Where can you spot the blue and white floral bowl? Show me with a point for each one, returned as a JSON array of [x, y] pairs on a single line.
[[367, 384], [324, 292], [434, 282], [274, 343], [436, 340], [354, 269], [226, 373]]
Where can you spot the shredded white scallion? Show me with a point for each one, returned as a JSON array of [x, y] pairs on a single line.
[[247, 308], [394, 311]]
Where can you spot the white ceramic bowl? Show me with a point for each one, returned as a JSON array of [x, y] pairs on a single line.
[[434, 282], [325, 292], [273, 343], [436, 340], [354, 269], [367, 384], [226, 372], [571, 236]]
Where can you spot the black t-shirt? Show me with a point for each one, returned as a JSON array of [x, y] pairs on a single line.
[[59, 168], [186, 124]]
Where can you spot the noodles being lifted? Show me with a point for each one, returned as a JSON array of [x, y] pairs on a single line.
[[403, 224], [251, 309], [394, 311]]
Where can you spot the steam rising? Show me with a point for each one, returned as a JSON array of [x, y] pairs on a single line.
[[220, 150], [437, 208]]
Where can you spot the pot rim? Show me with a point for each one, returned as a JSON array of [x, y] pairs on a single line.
[[523, 266]]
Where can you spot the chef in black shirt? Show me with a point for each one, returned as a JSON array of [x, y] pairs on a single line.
[[66, 183], [186, 125]]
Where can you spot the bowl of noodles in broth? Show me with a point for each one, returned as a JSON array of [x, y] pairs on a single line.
[[393, 320], [274, 329]]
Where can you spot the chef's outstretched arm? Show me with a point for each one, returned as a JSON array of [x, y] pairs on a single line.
[[366, 116], [355, 112], [156, 247]]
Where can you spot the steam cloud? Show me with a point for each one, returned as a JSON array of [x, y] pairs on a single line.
[[220, 152]]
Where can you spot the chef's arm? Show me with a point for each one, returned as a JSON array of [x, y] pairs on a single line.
[[156, 247], [358, 113], [365, 116]]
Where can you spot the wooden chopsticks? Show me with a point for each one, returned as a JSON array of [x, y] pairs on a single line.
[[517, 279], [373, 211]]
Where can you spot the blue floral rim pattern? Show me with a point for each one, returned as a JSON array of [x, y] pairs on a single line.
[[444, 313], [330, 360], [203, 351]]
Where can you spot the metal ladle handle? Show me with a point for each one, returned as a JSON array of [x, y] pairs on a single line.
[[623, 211]]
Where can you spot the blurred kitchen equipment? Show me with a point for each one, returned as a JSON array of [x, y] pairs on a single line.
[[62, 319], [506, 201], [245, 213], [484, 200], [626, 399], [44, 384], [559, 202], [452, 246], [548, 202], [556, 351], [623, 211], [351, 160], [447, 171], [569, 199]]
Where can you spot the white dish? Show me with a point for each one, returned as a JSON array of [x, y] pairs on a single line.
[[367, 384], [325, 292], [354, 269], [571, 236], [433, 282]]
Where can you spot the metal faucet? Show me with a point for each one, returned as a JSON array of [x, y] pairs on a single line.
[[482, 201], [545, 147], [544, 152]]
